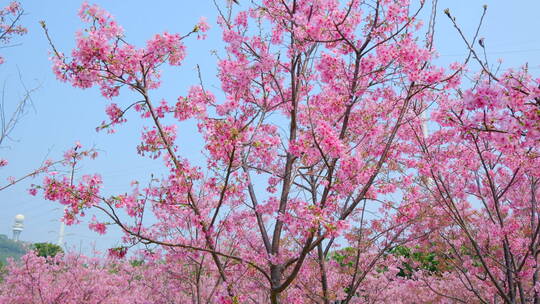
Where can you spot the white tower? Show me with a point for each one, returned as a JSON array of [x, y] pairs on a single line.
[[425, 130], [62, 231], [18, 226]]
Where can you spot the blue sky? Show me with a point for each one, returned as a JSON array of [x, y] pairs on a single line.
[[63, 115]]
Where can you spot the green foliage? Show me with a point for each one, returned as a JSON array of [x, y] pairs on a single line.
[[136, 263], [47, 249], [10, 249], [415, 260], [2, 271], [344, 257], [465, 251]]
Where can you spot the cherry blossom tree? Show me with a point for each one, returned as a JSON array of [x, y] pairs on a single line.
[[77, 279], [479, 172], [478, 179], [343, 80]]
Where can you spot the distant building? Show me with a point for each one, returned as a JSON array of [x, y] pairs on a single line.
[[18, 227]]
